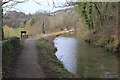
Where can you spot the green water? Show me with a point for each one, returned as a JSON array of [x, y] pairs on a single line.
[[95, 62]]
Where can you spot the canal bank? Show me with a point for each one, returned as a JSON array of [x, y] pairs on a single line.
[[47, 51], [86, 61], [79, 58]]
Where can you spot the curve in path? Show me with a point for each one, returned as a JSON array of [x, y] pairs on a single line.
[[27, 63]]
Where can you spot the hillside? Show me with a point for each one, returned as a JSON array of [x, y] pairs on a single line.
[[15, 19], [39, 22], [51, 22]]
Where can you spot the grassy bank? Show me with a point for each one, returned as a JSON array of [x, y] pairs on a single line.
[[107, 41], [100, 24], [10, 48], [47, 50], [12, 32]]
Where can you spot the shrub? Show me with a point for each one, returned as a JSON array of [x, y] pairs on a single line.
[[107, 41], [10, 48]]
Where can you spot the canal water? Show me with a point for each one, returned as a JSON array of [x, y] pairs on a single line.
[[85, 60], [66, 52]]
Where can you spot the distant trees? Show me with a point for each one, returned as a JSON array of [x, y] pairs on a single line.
[[15, 19], [3, 4], [46, 23], [32, 21]]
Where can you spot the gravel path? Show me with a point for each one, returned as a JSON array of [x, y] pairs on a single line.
[[28, 64]]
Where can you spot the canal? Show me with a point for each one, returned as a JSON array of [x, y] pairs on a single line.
[[85, 60]]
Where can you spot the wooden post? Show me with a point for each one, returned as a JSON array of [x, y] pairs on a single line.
[[21, 34]]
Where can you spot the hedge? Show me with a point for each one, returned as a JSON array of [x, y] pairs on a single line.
[[10, 48]]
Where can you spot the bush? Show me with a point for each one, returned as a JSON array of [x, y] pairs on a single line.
[[107, 41], [10, 48]]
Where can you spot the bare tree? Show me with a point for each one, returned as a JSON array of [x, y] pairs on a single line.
[[6, 4], [0, 20]]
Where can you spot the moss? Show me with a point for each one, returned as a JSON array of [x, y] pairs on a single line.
[[48, 51]]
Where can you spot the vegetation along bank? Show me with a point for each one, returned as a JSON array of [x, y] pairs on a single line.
[[10, 49], [99, 24], [47, 51]]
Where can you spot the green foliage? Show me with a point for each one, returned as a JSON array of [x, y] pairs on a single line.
[[107, 41], [110, 48], [102, 18], [97, 14], [10, 48], [85, 10]]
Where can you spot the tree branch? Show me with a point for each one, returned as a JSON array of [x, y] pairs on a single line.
[[37, 2], [14, 1]]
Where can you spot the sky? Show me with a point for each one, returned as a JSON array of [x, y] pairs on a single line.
[[45, 5], [32, 7]]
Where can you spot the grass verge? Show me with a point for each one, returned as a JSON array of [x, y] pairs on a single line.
[[47, 50], [10, 48]]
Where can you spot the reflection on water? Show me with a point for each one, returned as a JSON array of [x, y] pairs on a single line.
[[95, 62], [66, 52], [86, 60]]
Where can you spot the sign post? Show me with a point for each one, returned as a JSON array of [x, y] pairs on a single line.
[[23, 32]]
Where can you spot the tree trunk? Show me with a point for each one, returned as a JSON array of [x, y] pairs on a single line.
[[43, 28], [1, 22]]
